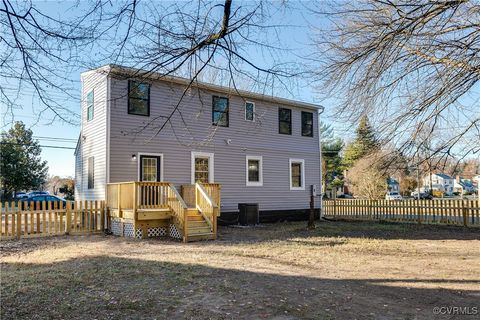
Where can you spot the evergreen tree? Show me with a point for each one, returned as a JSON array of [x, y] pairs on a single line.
[[364, 144], [20, 164], [332, 168]]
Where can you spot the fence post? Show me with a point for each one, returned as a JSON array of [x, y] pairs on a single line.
[[464, 213], [19, 223], [68, 213], [334, 208]]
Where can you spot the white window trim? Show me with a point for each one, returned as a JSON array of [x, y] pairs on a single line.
[[302, 161], [152, 155], [260, 173], [210, 156], [254, 107]]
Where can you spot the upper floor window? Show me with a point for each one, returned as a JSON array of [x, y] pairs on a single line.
[[138, 98], [90, 106], [249, 111], [284, 121], [220, 111], [307, 124], [91, 173]]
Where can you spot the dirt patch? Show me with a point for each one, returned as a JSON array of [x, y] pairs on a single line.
[[340, 270]]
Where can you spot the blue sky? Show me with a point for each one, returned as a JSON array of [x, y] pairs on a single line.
[[61, 161]]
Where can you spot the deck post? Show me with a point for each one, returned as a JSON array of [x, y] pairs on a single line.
[[119, 194]]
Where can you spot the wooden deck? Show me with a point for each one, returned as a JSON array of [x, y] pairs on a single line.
[[153, 208]]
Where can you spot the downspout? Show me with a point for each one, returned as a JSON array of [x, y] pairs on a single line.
[[320, 111]]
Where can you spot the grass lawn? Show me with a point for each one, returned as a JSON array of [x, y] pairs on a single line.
[[341, 270]]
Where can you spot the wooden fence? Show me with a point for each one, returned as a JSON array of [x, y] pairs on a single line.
[[457, 212], [51, 218]]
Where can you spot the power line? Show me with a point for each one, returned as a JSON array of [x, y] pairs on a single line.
[[42, 146]]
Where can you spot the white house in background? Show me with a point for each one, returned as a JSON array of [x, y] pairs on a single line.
[[393, 185], [439, 182]]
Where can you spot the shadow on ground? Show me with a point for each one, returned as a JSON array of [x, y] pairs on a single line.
[[104, 287], [348, 229]]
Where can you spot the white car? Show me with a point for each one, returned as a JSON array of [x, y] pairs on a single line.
[[393, 196]]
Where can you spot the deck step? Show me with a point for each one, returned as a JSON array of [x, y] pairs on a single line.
[[195, 231], [197, 223], [201, 236]]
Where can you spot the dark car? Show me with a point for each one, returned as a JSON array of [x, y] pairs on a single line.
[[37, 193], [59, 202], [345, 196]]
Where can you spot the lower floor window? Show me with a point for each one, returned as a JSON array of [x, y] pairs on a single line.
[[297, 174], [150, 168], [254, 171], [91, 173]]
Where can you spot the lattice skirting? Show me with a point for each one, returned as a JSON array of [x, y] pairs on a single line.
[[116, 226], [157, 232], [175, 233], [128, 230]]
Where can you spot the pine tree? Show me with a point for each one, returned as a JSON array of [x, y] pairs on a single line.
[[364, 144], [332, 168], [20, 164]]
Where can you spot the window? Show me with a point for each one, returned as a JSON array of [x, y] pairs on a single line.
[[284, 121], [249, 111], [254, 171], [220, 111], [90, 106], [150, 168], [138, 98], [307, 124], [91, 173], [297, 174], [202, 167]]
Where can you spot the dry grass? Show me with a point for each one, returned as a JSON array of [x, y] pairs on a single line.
[[340, 270]]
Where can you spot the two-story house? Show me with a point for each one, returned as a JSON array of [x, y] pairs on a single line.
[[439, 182], [139, 126]]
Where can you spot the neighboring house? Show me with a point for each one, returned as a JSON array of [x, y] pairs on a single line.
[[261, 149], [439, 182], [476, 181], [393, 185], [463, 185]]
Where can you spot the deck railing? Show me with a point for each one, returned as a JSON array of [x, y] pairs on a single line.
[[213, 190], [178, 207], [135, 196], [206, 206]]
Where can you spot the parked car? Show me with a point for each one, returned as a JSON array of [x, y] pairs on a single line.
[[26, 203], [21, 195], [422, 196], [393, 196], [37, 193], [345, 196]]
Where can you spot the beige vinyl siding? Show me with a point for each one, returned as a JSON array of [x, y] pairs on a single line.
[[93, 136], [230, 145]]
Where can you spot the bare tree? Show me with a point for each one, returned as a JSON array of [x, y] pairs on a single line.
[[412, 67], [367, 177], [186, 39]]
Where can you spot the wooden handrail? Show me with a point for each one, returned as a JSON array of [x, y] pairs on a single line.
[[177, 195], [202, 209]]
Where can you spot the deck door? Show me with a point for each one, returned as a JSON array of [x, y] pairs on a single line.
[[150, 168]]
